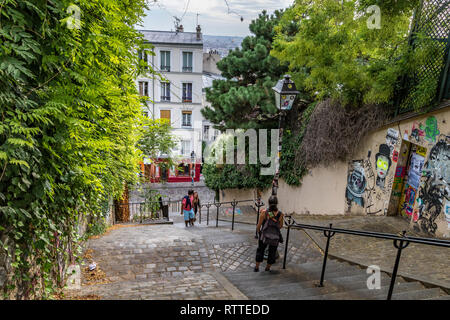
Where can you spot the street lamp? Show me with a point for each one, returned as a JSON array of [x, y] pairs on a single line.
[[285, 94]]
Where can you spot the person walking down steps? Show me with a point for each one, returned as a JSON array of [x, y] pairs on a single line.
[[188, 208], [269, 230]]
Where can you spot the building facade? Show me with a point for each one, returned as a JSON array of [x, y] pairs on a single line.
[[176, 95]]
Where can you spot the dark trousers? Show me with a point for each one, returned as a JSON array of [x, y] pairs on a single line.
[[260, 253]]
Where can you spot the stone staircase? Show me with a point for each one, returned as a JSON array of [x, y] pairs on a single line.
[[343, 281]]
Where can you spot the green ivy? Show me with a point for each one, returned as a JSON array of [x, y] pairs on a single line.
[[70, 117]]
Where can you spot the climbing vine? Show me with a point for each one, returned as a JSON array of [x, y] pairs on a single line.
[[70, 118]]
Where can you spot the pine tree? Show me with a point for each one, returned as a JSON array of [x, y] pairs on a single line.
[[245, 99]]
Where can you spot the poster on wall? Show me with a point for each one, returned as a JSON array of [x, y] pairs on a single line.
[[447, 213], [356, 183], [392, 139], [415, 170]]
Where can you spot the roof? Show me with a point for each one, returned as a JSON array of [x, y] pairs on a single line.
[[171, 37], [208, 79]]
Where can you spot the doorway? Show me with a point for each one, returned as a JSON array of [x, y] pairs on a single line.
[[406, 185]]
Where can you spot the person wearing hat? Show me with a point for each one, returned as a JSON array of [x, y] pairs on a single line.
[[383, 163]]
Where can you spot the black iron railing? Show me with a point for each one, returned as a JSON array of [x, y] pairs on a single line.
[[400, 243], [258, 203]]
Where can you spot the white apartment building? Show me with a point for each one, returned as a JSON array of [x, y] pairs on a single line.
[[178, 56]]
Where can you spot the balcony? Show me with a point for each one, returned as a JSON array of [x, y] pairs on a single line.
[[165, 98], [165, 68], [187, 69]]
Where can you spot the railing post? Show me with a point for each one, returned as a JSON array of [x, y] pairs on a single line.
[[234, 208], [217, 204], [329, 234], [286, 243], [400, 246], [200, 214], [207, 213]]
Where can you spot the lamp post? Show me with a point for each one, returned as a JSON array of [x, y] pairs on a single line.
[[285, 94]]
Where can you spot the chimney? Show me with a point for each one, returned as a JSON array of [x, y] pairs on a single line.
[[199, 33], [180, 28]]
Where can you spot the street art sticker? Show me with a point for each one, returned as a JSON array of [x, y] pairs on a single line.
[[417, 132], [415, 170], [229, 211], [392, 138], [431, 129], [447, 213], [383, 163], [435, 188], [356, 184], [421, 151], [395, 156]]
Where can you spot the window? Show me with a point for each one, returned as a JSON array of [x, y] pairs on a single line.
[[186, 147], [143, 88], [205, 133], [165, 114], [187, 119], [143, 57], [187, 92], [165, 91], [165, 61], [187, 61]]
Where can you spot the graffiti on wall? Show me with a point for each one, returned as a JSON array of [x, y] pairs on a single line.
[[383, 163], [392, 138], [435, 186], [356, 184], [425, 133], [431, 129], [447, 213]]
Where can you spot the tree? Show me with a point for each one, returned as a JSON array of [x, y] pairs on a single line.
[[157, 138], [70, 118], [339, 52], [245, 99]]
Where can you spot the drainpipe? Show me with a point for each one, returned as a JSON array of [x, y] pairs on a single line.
[[153, 88]]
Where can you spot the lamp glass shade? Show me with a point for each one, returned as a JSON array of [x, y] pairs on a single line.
[[285, 93]]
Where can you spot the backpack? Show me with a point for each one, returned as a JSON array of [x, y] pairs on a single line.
[[187, 203], [270, 232]]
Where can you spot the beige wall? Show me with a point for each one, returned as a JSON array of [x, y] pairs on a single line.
[[325, 189]]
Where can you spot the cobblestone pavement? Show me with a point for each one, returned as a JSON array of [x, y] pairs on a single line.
[[175, 262], [421, 262]]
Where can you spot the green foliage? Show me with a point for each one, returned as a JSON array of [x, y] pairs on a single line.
[[245, 99], [292, 165], [157, 138], [70, 118], [334, 54]]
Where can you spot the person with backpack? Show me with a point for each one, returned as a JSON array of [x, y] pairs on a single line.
[[188, 208], [196, 204], [269, 229]]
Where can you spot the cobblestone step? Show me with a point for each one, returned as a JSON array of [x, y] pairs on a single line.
[[418, 294], [366, 294], [342, 281]]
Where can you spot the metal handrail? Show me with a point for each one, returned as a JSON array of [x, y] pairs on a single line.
[[400, 243]]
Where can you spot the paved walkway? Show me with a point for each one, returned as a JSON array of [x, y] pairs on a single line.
[[428, 264], [175, 262]]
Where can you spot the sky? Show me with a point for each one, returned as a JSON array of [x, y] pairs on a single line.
[[215, 16]]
